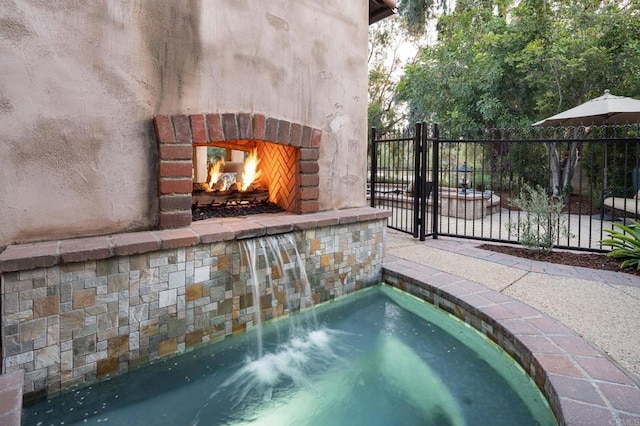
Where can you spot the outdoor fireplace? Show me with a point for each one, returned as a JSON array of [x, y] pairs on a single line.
[[287, 152]]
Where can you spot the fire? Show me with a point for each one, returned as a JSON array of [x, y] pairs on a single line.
[[250, 172], [215, 171]]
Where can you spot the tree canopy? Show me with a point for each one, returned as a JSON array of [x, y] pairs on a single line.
[[506, 63]]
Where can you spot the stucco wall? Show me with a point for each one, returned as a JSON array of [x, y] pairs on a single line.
[[82, 80]]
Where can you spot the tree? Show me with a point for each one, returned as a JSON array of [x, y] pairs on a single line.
[[509, 64], [384, 65], [387, 39]]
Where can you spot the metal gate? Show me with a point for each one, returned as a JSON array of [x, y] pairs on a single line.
[[399, 179], [461, 184]]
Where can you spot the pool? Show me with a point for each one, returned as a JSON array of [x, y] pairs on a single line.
[[376, 357]]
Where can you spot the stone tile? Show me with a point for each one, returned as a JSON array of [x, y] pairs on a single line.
[[118, 345], [622, 397], [601, 368], [83, 249], [243, 230], [455, 290], [105, 267], [84, 345], [326, 219], [29, 256], [193, 338], [176, 238], [577, 389], [540, 344], [11, 418], [47, 356], [438, 279], [33, 330], [274, 225], [167, 347], [70, 322], [225, 263], [117, 282], [11, 386], [177, 279], [575, 345], [580, 414], [202, 274], [46, 306], [138, 313], [628, 419], [176, 327], [497, 312], [139, 262], [135, 243], [167, 298], [519, 326], [107, 366], [84, 298], [149, 328], [211, 232], [476, 300], [193, 292], [549, 326], [559, 364]]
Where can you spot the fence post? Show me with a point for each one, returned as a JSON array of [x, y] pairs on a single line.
[[435, 166], [424, 193], [374, 168], [417, 181]]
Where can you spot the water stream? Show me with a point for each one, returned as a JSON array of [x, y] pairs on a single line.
[[276, 266]]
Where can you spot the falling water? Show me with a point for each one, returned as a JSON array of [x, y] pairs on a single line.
[[275, 264], [293, 271], [250, 248], [279, 254]]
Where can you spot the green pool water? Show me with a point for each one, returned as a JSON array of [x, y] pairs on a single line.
[[376, 357]]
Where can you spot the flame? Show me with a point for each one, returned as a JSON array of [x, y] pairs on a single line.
[[215, 171], [250, 172]]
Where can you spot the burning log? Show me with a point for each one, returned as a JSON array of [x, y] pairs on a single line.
[[204, 198], [223, 195]]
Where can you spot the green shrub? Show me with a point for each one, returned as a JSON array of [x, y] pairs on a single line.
[[625, 243], [543, 220]]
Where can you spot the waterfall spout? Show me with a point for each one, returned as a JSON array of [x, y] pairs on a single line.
[[277, 273]]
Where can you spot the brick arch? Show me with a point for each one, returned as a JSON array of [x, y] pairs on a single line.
[[281, 144]]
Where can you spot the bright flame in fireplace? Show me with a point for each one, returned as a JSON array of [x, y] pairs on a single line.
[[250, 172], [215, 171]]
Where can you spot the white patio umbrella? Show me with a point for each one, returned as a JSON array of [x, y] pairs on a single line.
[[605, 109]]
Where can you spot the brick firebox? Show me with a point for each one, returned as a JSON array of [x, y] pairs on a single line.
[[288, 151]]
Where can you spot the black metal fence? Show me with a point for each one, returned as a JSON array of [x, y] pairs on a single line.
[[466, 184]]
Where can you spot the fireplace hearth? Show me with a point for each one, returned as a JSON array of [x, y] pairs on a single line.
[[288, 154]]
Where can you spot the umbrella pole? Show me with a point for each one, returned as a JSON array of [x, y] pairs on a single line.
[[602, 216]]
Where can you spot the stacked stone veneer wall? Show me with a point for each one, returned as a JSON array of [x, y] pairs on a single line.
[[293, 170], [69, 323]]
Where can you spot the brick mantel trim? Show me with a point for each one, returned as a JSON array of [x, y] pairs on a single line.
[[178, 134]]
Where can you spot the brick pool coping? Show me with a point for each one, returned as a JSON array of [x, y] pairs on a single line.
[[581, 384], [11, 398], [22, 257]]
